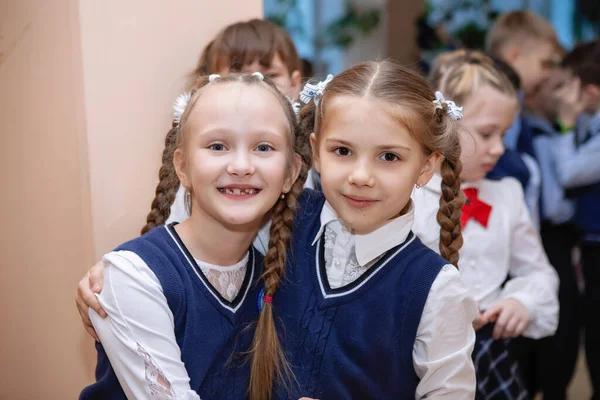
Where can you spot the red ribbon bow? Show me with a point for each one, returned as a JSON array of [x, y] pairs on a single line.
[[475, 208]]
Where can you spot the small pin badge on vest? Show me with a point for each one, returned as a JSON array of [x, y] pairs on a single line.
[[260, 299]]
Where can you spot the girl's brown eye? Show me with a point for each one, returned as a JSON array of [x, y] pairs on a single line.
[[389, 157], [342, 151]]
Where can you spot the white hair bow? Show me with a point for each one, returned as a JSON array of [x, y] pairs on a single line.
[[315, 92], [454, 111], [179, 106]]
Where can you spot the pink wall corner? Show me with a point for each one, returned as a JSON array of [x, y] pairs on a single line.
[[85, 94], [46, 239], [136, 59]]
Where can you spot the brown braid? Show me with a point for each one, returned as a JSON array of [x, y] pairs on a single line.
[[167, 186], [268, 361], [448, 216]]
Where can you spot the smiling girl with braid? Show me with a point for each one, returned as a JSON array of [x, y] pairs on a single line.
[[180, 297]]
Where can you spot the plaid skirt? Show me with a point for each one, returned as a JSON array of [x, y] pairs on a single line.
[[498, 375]]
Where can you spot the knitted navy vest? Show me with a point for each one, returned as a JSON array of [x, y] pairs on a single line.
[[355, 341], [209, 329]]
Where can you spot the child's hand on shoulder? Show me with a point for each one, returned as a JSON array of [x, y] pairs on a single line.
[[511, 318]]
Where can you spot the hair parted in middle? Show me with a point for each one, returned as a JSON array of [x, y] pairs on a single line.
[[411, 99], [268, 362]]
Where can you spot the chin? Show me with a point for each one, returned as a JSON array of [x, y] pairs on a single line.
[[241, 219]]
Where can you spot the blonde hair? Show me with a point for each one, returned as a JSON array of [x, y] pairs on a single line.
[[460, 73], [431, 127], [517, 28], [267, 358]]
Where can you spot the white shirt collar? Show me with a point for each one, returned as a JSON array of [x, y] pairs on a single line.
[[372, 245], [435, 184]]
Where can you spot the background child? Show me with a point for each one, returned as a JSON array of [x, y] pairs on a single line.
[[577, 162], [499, 238], [180, 297], [527, 43]]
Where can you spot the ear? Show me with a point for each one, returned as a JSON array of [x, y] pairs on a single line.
[[591, 93], [296, 78], [314, 146], [431, 165], [291, 178], [180, 164], [511, 53]]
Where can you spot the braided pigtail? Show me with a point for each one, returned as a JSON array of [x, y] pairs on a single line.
[[448, 216], [268, 360], [167, 186]]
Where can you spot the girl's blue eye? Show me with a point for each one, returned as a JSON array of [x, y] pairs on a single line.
[[389, 157], [342, 151], [264, 147], [217, 147]]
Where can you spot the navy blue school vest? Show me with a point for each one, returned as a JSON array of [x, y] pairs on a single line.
[[587, 215], [355, 341], [209, 329]]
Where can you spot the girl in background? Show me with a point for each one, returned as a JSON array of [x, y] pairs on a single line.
[[502, 260]]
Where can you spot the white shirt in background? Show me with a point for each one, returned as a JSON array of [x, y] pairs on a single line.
[[510, 246]]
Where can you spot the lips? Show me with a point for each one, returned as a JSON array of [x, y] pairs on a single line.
[[359, 201], [489, 166]]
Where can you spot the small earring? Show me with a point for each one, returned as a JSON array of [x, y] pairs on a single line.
[[188, 192], [418, 186], [282, 196]]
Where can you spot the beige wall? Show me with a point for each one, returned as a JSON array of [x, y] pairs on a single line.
[[85, 94]]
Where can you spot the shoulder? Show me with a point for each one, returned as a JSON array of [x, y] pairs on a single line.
[[507, 188]]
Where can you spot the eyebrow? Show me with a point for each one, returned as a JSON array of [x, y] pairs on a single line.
[[381, 148]]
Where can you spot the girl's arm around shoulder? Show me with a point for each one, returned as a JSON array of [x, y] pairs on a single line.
[[534, 282], [138, 334], [445, 340]]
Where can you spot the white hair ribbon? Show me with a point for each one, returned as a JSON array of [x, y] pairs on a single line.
[[315, 92], [454, 111], [179, 106]]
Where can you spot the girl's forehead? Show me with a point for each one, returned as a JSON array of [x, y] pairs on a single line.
[[236, 104]]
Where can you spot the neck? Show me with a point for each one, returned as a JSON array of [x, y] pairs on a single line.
[[213, 242]]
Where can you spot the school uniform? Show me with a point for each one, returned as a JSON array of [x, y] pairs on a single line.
[[175, 325], [373, 316], [500, 242], [519, 161], [550, 363], [577, 158]]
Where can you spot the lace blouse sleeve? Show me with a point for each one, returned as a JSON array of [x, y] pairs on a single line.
[[138, 334]]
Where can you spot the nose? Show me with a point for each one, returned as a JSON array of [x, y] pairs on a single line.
[[241, 164], [361, 174], [497, 147]]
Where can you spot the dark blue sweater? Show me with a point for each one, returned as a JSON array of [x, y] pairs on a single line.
[[355, 341], [208, 328]]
